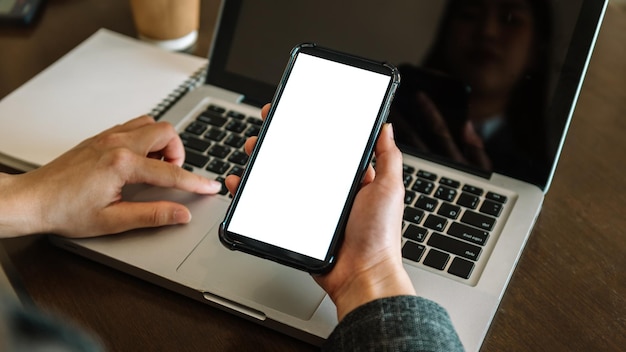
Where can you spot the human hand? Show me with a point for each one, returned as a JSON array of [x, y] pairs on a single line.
[[369, 262], [79, 193]]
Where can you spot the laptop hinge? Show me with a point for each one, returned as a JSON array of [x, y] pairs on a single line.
[[441, 160]]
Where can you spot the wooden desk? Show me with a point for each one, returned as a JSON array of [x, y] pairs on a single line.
[[568, 292]]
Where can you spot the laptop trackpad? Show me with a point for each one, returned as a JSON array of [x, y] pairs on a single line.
[[250, 281]]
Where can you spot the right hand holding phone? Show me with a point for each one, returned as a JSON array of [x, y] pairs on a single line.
[[369, 263]]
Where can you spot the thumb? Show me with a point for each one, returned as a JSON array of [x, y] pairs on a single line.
[[126, 216], [388, 156]]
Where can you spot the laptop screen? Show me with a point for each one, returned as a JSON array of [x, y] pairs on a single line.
[[486, 85]]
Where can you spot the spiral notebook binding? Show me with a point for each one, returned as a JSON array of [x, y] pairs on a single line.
[[188, 85]]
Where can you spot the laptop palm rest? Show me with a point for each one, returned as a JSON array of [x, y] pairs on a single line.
[[242, 279], [232, 279]]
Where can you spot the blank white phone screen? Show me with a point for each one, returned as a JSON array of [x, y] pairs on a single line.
[[300, 180]]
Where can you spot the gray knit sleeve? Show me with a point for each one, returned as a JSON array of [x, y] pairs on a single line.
[[401, 323]]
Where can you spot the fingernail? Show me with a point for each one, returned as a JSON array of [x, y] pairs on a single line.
[[211, 186], [216, 185], [182, 216], [389, 127]]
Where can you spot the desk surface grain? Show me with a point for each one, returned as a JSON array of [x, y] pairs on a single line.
[[568, 292]]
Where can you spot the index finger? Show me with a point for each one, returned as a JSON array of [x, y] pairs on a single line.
[[161, 138], [159, 173]]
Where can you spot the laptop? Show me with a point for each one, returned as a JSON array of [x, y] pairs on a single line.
[[501, 77]]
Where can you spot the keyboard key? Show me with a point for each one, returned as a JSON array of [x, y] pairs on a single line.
[[415, 233], [219, 151], [238, 157], [435, 222], [496, 197], [408, 169], [409, 197], [468, 200], [216, 109], [215, 134], [491, 208], [196, 128], [449, 182], [223, 190], [436, 259], [195, 143], [413, 215], [423, 186], [236, 115], [448, 210], [413, 251], [479, 220], [212, 119], [473, 190], [218, 166], [445, 193], [236, 170], [255, 121], [454, 246], [253, 131], [427, 203], [195, 159], [236, 126], [468, 233], [234, 140], [427, 175], [408, 178], [461, 268]]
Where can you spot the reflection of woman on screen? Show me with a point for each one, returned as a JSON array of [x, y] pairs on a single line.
[[500, 49]]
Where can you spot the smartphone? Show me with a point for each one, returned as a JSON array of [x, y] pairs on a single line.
[[312, 153]]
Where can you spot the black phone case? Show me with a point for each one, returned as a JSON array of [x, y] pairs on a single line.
[[280, 255]]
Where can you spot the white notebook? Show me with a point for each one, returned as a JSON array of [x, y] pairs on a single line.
[[106, 80]]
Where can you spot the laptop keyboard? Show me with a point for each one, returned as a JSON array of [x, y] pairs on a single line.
[[214, 141], [447, 225]]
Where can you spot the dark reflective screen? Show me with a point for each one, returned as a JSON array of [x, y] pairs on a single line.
[[486, 84]]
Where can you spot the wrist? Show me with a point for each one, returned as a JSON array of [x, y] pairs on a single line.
[[18, 215], [374, 283]]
